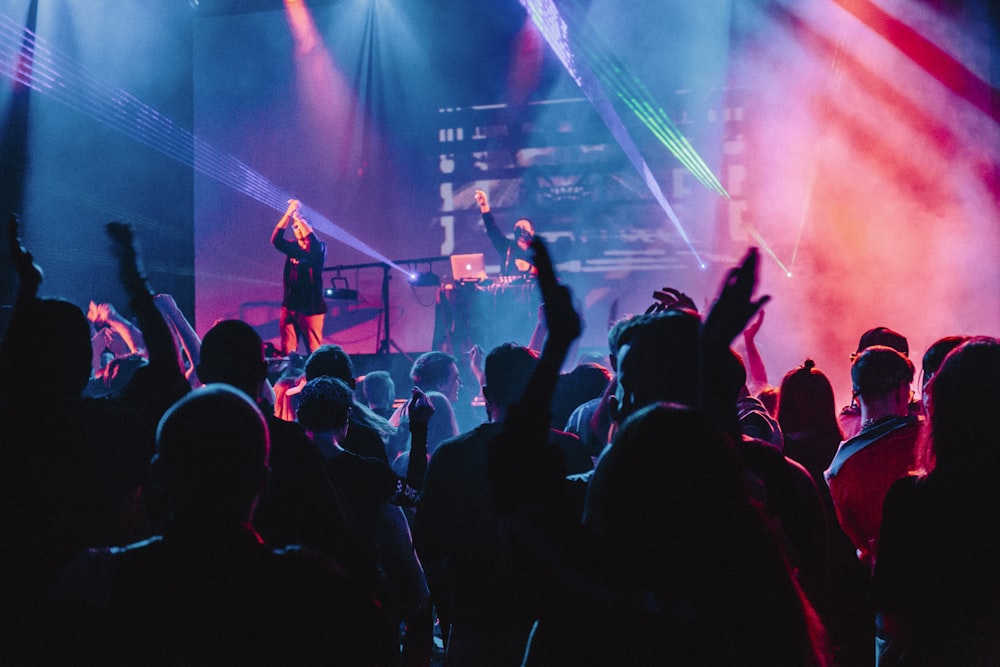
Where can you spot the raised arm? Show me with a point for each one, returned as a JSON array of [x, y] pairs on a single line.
[[524, 465], [419, 410], [492, 229], [14, 364], [756, 371], [735, 306], [185, 337], [564, 327], [730, 314], [279, 229], [538, 334], [28, 273], [165, 376]]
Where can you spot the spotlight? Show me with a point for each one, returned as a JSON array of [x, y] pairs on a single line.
[[341, 293], [424, 279]]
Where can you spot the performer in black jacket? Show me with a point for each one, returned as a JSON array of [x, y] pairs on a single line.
[[516, 258], [302, 307]]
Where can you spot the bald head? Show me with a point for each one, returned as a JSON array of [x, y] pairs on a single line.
[[233, 352], [212, 451]]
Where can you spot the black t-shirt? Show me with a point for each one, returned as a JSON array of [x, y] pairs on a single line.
[[366, 486]]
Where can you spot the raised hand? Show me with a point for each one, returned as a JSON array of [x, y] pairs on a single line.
[[419, 409], [29, 273], [126, 250], [754, 326], [166, 303], [735, 305], [561, 318], [668, 298], [476, 357], [483, 201], [101, 313]]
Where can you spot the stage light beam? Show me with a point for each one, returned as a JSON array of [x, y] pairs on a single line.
[[545, 15], [57, 76]]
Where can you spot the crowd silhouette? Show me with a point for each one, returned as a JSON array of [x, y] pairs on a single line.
[[165, 499]]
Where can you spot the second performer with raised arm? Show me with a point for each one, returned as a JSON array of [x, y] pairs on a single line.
[[515, 256], [302, 305]]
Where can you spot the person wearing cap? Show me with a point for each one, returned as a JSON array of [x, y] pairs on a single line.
[[850, 416], [885, 449], [302, 305], [515, 255]]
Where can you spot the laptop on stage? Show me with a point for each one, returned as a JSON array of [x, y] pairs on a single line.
[[468, 268]]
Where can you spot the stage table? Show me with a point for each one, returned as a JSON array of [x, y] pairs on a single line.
[[486, 313]]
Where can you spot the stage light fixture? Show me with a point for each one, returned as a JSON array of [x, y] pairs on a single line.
[[424, 279], [339, 290]]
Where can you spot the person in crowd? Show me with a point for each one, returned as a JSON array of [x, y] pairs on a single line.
[[289, 383], [591, 421], [302, 305], [615, 587], [933, 358], [380, 393], [119, 349], [754, 417], [885, 449], [208, 589], [114, 377], [435, 374], [302, 505], [297, 509], [768, 397], [72, 465], [112, 335], [586, 382], [807, 413], [850, 416], [659, 361], [369, 433], [368, 496], [515, 256], [460, 536], [936, 582]]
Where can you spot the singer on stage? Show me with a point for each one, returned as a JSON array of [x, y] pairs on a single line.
[[302, 306], [515, 256]]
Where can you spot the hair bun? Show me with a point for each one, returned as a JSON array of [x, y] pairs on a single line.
[[809, 365]]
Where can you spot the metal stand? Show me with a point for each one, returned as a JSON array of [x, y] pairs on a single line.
[[386, 342], [383, 346]]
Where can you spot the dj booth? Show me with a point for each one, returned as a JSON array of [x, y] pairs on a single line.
[[485, 313], [471, 310]]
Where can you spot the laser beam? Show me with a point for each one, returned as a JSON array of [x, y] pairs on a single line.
[[545, 15], [616, 76], [57, 76]]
